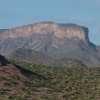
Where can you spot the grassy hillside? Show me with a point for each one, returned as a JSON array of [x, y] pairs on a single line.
[[52, 83]]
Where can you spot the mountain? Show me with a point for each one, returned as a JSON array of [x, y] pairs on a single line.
[[54, 40]]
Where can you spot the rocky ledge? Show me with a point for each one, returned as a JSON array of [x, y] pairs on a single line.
[[59, 30]]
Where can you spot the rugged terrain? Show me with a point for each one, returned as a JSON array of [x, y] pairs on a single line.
[[26, 81], [54, 40], [12, 78]]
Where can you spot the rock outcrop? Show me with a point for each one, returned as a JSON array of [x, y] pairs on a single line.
[[59, 30]]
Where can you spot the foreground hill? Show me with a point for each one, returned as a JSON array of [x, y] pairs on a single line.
[[54, 40], [12, 80], [7, 69], [39, 82]]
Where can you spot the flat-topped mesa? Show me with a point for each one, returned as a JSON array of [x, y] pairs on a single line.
[[59, 30], [72, 30]]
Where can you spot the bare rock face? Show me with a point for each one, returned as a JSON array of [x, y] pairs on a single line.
[[59, 30]]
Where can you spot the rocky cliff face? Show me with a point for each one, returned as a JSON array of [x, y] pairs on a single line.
[[59, 30]]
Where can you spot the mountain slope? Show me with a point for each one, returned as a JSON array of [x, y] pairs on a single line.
[[32, 56], [54, 40], [29, 55]]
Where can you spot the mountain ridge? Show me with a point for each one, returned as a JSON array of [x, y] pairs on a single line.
[[59, 30]]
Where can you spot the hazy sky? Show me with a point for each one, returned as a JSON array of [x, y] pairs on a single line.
[[14, 13]]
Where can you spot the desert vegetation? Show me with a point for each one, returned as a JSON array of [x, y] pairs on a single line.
[[51, 83]]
